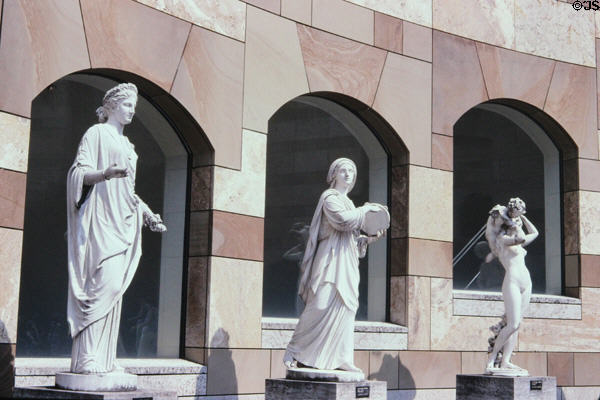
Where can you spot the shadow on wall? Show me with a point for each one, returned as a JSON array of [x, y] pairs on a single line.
[[389, 365], [7, 363], [221, 375]]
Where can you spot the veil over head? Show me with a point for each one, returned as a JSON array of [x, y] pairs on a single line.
[[335, 166]]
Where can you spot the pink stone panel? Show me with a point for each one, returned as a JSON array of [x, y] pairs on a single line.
[[457, 80], [383, 366], [417, 41], [237, 371], [589, 175], [298, 10], [473, 362], [398, 300], [586, 366], [428, 369], [12, 199], [404, 100], [535, 363], [344, 19], [419, 313], [560, 365], [129, 36], [572, 102], [273, 6], [597, 75], [442, 152], [340, 65], [41, 42], [388, 32], [510, 74], [429, 258], [590, 270], [237, 236], [209, 83], [361, 360]]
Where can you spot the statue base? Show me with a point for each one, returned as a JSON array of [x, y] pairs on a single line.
[[292, 389], [328, 375], [40, 392], [481, 387], [108, 382]]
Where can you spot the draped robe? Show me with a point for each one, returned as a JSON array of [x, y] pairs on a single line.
[[104, 246], [324, 336]]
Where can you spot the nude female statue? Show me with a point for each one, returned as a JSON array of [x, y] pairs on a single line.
[[507, 239], [105, 218], [324, 336]]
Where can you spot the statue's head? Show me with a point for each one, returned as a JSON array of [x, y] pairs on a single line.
[[516, 207], [114, 98], [339, 166]]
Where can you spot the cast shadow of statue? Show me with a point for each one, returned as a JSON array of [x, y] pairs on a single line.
[[7, 363], [221, 374], [406, 381]]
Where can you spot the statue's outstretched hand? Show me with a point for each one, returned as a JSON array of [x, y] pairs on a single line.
[[154, 222], [115, 171]]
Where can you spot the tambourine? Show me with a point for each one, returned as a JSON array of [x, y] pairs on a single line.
[[376, 221]]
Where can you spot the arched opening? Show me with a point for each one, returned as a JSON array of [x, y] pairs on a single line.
[[503, 149], [305, 136], [61, 113]]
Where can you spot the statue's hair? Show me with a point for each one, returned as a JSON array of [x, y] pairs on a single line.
[[517, 204], [113, 97]]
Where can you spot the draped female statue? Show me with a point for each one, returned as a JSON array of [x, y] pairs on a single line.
[[324, 336], [105, 219]]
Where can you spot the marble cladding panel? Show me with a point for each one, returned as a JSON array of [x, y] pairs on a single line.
[[589, 175], [535, 363], [12, 199], [274, 69], [399, 257], [418, 12], [197, 355], [298, 10], [429, 258], [442, 152], [237, 371], [445, 327], [40, 44], [199, 233], [589, 223], [473, 362], [590, 270], [388, 33], [153, 48], [383, 366], [380, 341], [7, 361], [184, 384], [278, 369], [571, 222], [417, 41], [273, 6], [597, 17], [227, 17], [195, 321], [404, 100], [419, 313], [399, 206], [430, 204], [276, 338], [398, 300], [10, 271], [361, 360], [483, 20], [428, 369], [235, 303], [553, 29], [14, 136], [560, 365], [510, 74], [458, 83], [572, 103], [423, 394], [24, 381], [237, 236], [243, 192], [340, 65], [572, 271], [344, 19], [583, 393], [487, 308], [586, 367], [201, 190], [209, 83]]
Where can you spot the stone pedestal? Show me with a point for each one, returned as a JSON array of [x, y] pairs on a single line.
[[290, 389], [483, 387], [40, 392], [109, 382]]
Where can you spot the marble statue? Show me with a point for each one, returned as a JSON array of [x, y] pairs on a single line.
[[507, 239], [324, 336], [105, 219]]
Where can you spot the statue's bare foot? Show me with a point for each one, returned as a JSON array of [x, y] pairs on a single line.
[[91, 368], [288, 360], [117, 368], [509, 365]]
